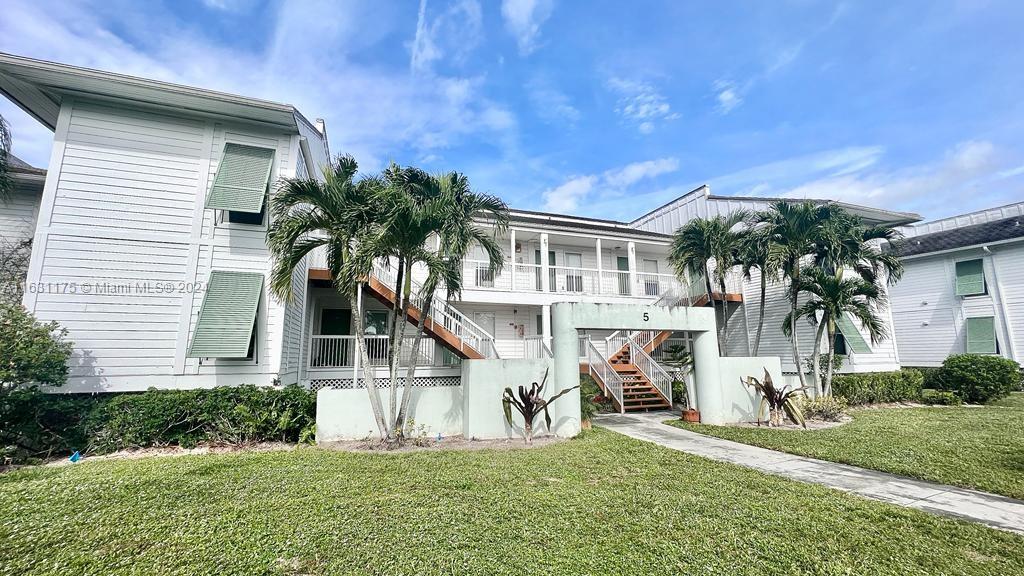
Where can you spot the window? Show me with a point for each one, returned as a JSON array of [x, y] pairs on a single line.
[[970, 277], [240, 186], [852, 339], [839, 345], [622, 266], [484, 275], [574, 272], [227, 319], [981, 335], [376, 328]]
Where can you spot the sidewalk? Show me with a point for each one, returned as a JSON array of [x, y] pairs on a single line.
[[990, 509]]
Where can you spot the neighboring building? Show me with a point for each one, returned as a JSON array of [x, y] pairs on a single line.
[[19, 214], [963, 287], [852, 342], [150, 247]]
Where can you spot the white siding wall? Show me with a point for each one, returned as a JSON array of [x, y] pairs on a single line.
[[18, 216], [123, 205], [930, 318]]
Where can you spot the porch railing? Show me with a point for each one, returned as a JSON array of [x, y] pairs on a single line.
[[566, 280], [341, 352]]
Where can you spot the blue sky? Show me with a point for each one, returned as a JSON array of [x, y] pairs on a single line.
[[603, 109]]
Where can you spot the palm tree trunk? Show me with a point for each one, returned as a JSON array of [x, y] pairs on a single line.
[[794, 303], [816, 360], [393, 351], [411, 370], [725, 316], [760, 313], [368, 379], [396, 347], [711, 302], [831, 356]]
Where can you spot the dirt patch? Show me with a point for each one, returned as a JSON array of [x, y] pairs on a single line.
[[811, 424], [446, 443], [136, 453]]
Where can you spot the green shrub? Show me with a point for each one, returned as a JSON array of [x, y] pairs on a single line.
[[940, 398], [37, 425], [876, 387], [32, 352], [979, 378], [931, 376], [828, 408], [679, 392], [590, 393]]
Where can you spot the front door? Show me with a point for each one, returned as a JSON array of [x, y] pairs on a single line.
[[651, 284], [622, 263], [574, 272], [334, 351]]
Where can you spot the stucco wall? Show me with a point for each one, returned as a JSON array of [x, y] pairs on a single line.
[[484, 381], [346, 415], [740, 402]]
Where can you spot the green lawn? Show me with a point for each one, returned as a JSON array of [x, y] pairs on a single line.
[[975, 447], [600, 504]]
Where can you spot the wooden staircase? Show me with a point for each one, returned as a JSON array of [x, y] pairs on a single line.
[[637, 391]]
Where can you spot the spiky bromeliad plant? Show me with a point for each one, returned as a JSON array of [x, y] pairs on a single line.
[[776, 400], [530, 403]]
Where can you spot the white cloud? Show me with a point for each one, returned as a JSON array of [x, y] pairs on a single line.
[[565, 199], [955, 181], [568, 197], [550, 103], [633, 173], [455, 32], [375, 112], [727, 95], [523, 19], [641, 104], [1010, 172]]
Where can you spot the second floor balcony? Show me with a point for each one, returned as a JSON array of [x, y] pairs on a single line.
[[567, 280]]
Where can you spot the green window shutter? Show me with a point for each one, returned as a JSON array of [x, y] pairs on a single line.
[[228, 315], [970, 277], [242, 179], [854, 340], [981, 335]]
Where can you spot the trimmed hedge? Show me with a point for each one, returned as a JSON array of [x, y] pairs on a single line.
[[940, 398], [978, 378], [35, 425], [877, 387]]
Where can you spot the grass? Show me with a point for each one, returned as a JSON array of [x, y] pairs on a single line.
[[973, 447], [599, 504]]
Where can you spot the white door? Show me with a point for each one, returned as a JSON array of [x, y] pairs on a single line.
[[651, 284]]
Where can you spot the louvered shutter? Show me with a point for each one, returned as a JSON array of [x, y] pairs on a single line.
[[228, 315], [242, 179]]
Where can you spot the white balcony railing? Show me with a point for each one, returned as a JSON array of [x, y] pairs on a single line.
[[567, 280], [340, 352]]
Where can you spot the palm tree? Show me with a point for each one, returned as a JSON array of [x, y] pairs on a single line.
[[5, 152], [344, 216], [454, 214], [795, 229], [833, 296], [702, 240], [757, 251]]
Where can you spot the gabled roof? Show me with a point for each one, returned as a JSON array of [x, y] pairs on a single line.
[[39, 87], [581, 224], [869, 213], [963, 237], [17, 165]]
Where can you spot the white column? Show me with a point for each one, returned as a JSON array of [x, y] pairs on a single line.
[[512, 258], [565, 349], [545, 322], [600, 265], [707, 380], [631, 255], [545, 274], [355, 351]]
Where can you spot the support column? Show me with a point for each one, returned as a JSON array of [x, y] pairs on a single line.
[[600, 265], [707, 378], [545, 274], [545, 323], [512, 258], [355, 350], [565, 349], [631, 256]]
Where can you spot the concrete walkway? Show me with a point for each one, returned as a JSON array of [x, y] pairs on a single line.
[[996, 511]]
